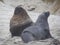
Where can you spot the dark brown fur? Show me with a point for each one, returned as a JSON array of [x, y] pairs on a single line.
[[19, 21]]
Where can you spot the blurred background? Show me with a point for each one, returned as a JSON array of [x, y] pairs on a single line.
[[34, 8]]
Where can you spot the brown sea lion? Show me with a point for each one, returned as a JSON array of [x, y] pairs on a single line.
[[19, 21]]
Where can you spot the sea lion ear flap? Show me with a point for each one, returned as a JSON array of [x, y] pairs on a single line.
[[18, 9], [47, 13]]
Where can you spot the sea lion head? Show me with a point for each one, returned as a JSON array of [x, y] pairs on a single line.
[[45, 14], [43, 17], [19, 10]]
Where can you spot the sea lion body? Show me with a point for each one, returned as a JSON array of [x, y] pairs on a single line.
[[19, 21], [38, 31]]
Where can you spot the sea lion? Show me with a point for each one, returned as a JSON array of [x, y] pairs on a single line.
[[19, 21], [38, 31]]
